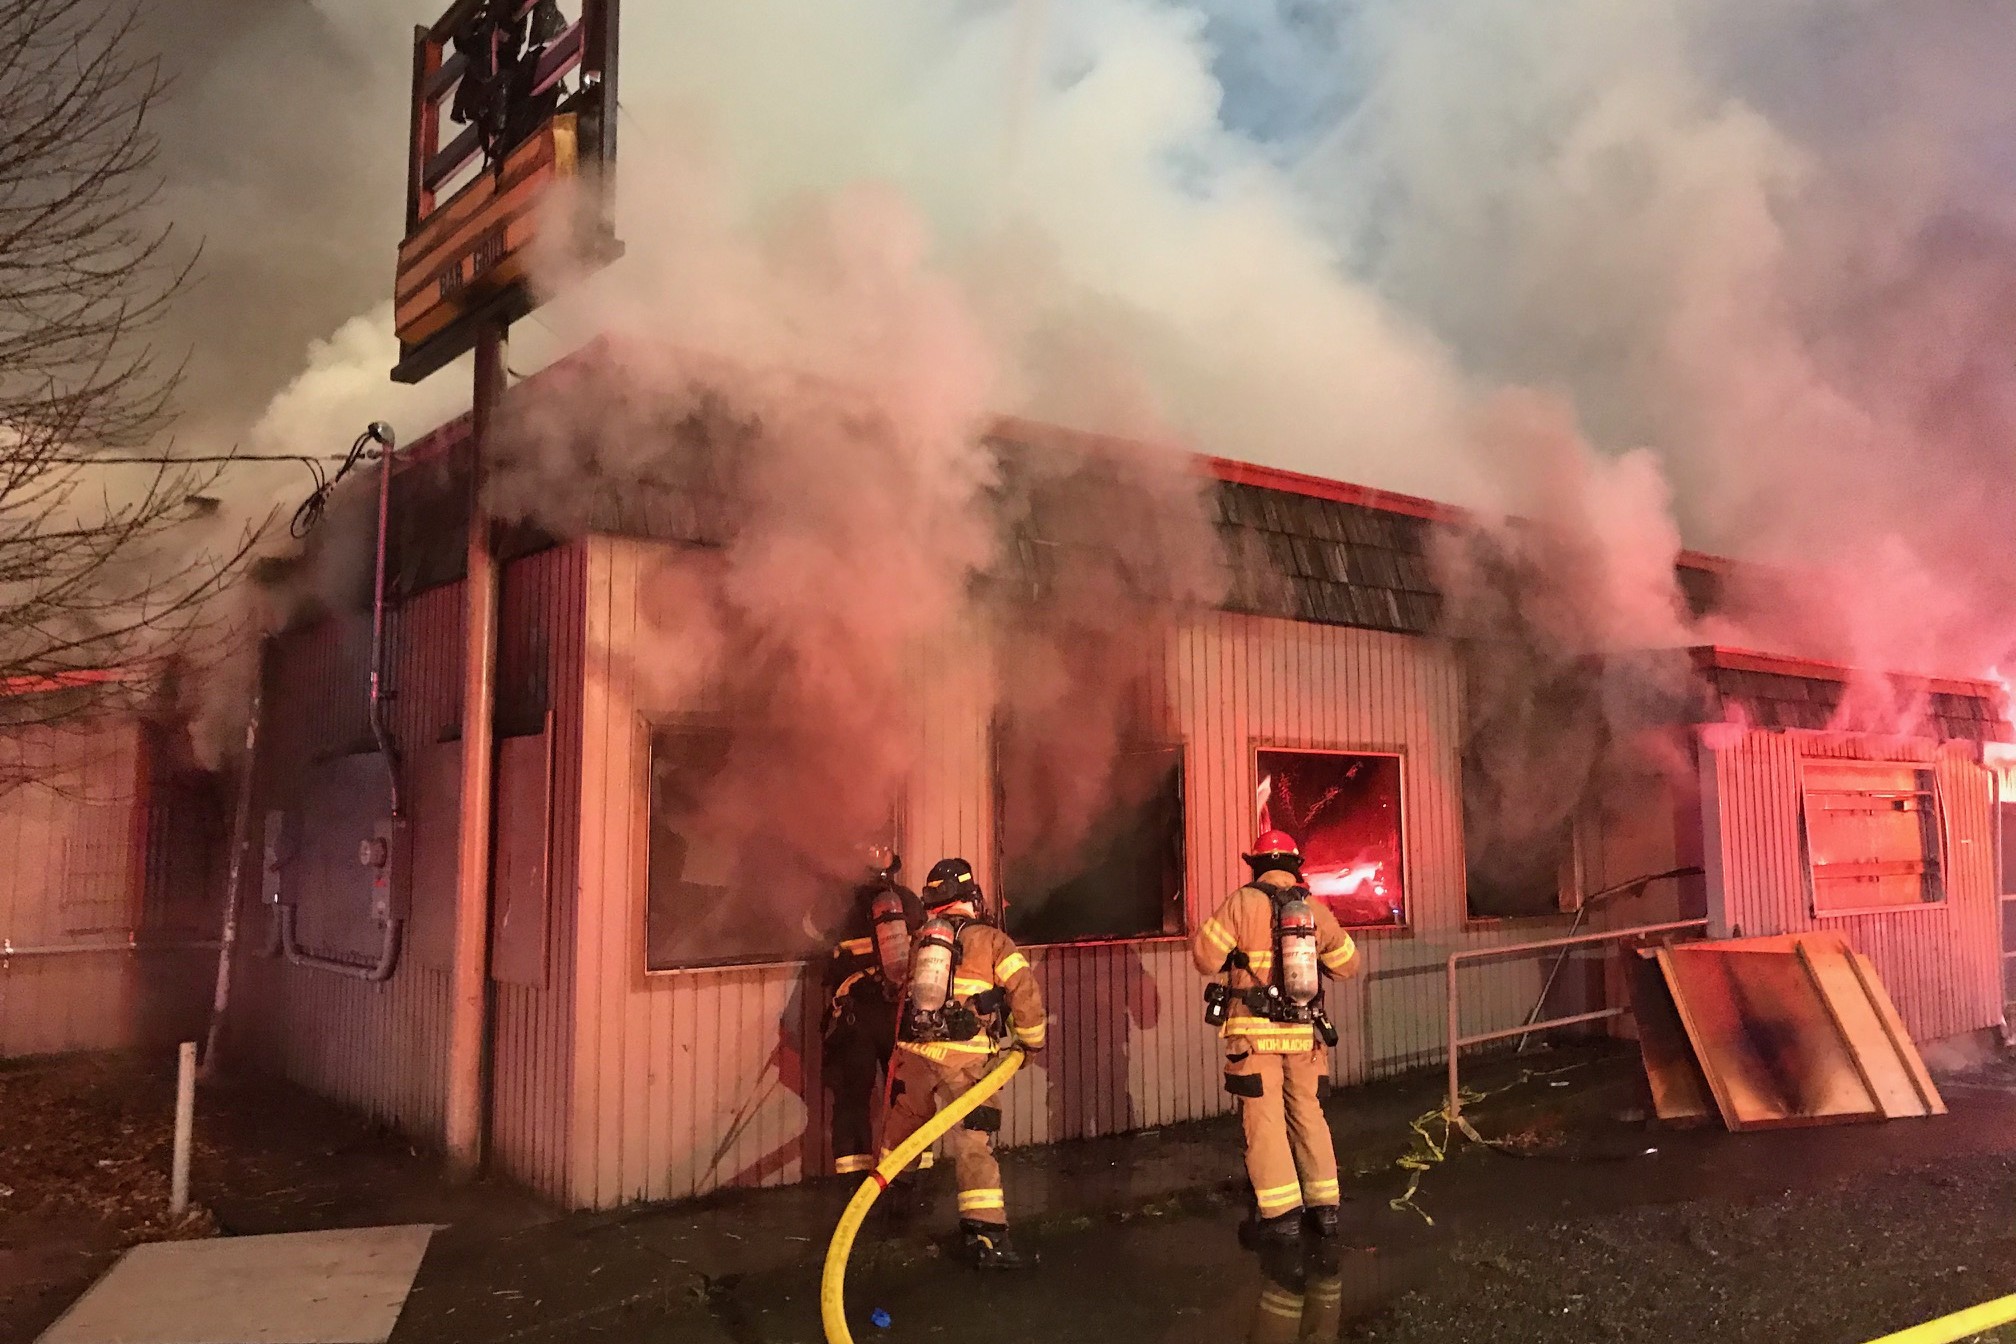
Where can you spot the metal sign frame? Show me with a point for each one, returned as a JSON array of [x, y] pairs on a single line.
[[488, 291]]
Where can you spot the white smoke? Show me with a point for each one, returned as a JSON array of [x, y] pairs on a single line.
[[1324, 235]]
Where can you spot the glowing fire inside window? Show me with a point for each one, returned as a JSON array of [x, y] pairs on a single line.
[[1343, 808]]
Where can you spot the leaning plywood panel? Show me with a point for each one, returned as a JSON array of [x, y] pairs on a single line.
[[1830, 962], [1900, 1039], [1765, 1041], [1680, 1093]]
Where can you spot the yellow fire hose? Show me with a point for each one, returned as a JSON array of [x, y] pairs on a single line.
[[1960, 1325], [833, 1280]]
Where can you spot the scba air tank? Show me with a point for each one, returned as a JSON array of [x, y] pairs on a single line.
[[1295, 930], [931, 961], [892, 935]]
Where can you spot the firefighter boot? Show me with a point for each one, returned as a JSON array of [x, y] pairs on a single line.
[[899, 1205], [1278, 1230], [986, 1246], [1323, 1220]]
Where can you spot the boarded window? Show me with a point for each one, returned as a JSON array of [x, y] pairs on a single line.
[[1124, 880], [1344, 810], [519, 913], [1872, 836], [434, 804], [725, 891]]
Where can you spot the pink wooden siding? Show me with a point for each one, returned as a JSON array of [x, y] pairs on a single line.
[[84, 867], [688, 1081], [1939, 962], [381, 1048]]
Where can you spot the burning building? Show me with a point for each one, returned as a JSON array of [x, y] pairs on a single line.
[[655, 1009]]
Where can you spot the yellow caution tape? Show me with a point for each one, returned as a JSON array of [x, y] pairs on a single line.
[[833, 1279], [1427, 1150], [1958, 1326]]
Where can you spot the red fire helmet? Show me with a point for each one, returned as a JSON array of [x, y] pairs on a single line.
[[1274, 842]]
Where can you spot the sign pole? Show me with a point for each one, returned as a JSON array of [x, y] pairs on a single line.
[[468, 1023]]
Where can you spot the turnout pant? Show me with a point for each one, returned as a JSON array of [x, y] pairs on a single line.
[[858, 1042], [1289, 1155], [921, 1087], [1298, 1307]]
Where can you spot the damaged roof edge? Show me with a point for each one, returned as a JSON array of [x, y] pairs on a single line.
[[1747, 660]]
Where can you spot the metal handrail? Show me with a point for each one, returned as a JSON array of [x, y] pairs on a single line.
[[1456, 1041], [10, 950]]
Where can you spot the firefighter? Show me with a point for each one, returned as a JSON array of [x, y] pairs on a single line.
[[1271, 942], [970, 993], [864, 976]]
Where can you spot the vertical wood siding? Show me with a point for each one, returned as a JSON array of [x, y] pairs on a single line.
[[691, 1081], [1938, 962], [75, 844], [381, 1049]]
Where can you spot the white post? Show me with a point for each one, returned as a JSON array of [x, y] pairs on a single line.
[[185, 1121]]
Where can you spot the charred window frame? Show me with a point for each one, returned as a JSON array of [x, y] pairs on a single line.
[[1543, 878], [1347, 809], [1872, 836], [1126, 882], [713, 901]]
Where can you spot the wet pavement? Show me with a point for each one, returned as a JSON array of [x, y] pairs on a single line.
[[1584, 1226], [1582, 1222]]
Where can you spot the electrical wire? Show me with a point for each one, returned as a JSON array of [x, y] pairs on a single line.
[[312, 508], [122, 461]]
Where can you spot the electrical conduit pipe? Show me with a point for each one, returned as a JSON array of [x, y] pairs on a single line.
[[390, 930], [833, 1280]]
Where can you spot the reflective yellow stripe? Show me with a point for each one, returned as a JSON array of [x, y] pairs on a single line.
[[940, 1051], [1278, 1198], [1338, 958], [1032, 1036], [965, 985], [1272, 1038], [1218, 936], [844, 1166], [926, 1160], [1009, 966], [1277, 1302], [971, 1200], [859, 946], [1321, 1192], [1260, 963]]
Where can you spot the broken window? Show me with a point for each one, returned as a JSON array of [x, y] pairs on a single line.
[[721, 889], [1344, 810], [1872, 835], [1515, 865], [1122, 879]]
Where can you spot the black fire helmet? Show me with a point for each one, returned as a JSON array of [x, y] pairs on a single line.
[[950, 880]]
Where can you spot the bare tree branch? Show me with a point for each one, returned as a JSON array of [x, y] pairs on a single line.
[[101, 566]]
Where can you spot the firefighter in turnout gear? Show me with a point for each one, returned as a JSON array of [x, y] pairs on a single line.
[[1271, 943], [864, 978], [971, 994]]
